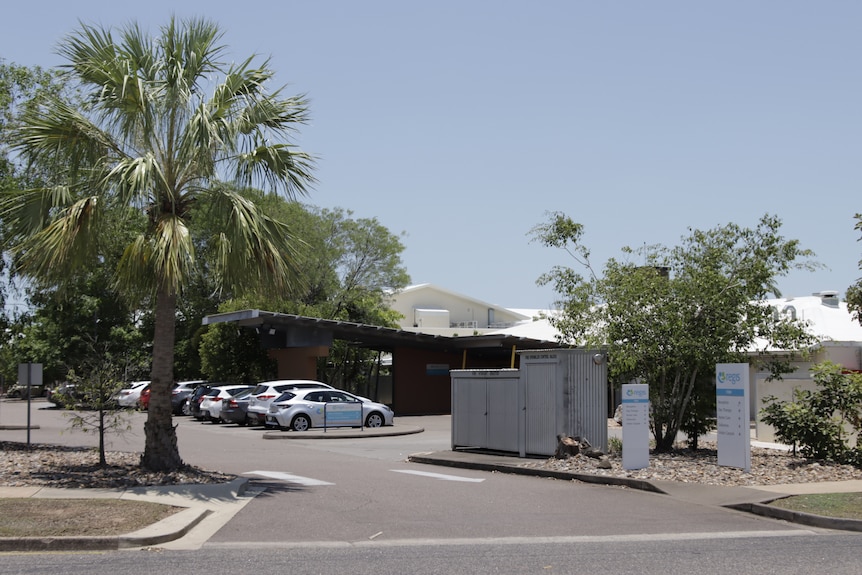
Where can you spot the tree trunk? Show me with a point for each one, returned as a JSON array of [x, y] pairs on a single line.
[[160, 450]]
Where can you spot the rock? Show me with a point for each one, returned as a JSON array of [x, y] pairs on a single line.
[[594, 453]]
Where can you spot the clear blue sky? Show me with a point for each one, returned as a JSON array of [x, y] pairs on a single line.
[[463, 122]]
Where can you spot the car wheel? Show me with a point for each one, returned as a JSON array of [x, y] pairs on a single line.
[[186, 409], [300, 423], [374, 420]]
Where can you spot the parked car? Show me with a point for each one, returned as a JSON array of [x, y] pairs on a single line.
[[235, 409], [212, 400], [303, 409], [144, 399], [181, 391], [193, 402], [63, 395], [20, 390], [266, 391], [128, 396]]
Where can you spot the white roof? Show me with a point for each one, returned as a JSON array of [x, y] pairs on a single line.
[[538, 327], [829, 320]]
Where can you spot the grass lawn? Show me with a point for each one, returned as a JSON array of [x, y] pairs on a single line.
[[845, 505], [28, 517]]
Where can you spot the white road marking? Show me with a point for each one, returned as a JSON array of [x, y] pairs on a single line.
[[289, 477], [438, 476], [564, 540]]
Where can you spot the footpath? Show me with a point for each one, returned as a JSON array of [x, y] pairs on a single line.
[[207, 507]]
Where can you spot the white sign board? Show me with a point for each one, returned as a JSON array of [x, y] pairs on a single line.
[[732, 415], [635, 414], [340, 414]]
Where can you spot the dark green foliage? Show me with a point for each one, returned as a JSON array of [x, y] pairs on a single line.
[[821, 424], [700, 417], [234, 355], [669, 318]]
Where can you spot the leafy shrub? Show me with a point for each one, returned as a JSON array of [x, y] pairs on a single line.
[[822, 424]]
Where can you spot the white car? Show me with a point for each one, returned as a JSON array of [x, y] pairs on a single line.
[[266, 391], [302, 409], [129, 396], [212, 400]]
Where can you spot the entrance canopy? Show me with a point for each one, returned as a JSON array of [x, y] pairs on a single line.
[[280, 330]]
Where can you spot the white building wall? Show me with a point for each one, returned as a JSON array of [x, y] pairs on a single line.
[[466, 316]]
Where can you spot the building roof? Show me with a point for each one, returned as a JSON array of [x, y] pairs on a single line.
[[829, 319], [481, 303], [282, 330]]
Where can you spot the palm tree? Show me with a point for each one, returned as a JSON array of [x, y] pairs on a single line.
[[146, 139]]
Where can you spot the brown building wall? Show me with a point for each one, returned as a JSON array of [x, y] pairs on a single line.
[[298, 362], [421, 384], [421, 381]]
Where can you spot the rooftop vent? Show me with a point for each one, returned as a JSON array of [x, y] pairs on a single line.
[[828, 298]]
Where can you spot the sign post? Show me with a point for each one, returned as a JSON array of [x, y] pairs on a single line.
[[29, 374], [635, 426], [733, 415]]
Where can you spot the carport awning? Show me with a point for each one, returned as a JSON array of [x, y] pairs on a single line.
[[280, 325]]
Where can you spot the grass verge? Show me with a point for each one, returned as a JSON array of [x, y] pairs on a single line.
[[77, 517], [844, 505]]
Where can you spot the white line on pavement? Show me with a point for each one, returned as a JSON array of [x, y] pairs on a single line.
[[289, 477], [439, 476]]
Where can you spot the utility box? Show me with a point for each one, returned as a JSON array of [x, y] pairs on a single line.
[[555, 392], [486, 408]]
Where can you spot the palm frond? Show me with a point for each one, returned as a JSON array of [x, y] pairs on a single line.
[[252, 250], [62, 245]]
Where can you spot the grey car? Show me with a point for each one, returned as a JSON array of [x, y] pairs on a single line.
[[181, 392], [235, 409]]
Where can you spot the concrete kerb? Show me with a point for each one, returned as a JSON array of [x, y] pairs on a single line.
[[345, 432], [199, 502]]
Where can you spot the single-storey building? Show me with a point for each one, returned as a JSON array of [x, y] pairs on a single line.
[[441, 330]]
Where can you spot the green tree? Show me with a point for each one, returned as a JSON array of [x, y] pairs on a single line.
[[163, 122], [20, 88], [349, 265], [854, 292], [90, 397], [825, 423], [668, 320]]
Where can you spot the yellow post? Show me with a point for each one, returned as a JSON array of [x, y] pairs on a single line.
[[513, 357], [464, 360]]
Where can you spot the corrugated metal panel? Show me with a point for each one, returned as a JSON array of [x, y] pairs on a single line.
[[588, 389], [503, 413], [541, 400]]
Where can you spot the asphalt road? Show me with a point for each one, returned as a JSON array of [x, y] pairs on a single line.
[[357, 506]]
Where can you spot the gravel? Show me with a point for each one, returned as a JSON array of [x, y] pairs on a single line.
[[76, 467], [768, 467], [69, 467]]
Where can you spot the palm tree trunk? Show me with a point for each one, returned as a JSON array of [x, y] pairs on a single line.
[[160, 450]]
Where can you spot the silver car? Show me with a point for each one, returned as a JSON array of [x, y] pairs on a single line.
[[265, 392], [303, 409]]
